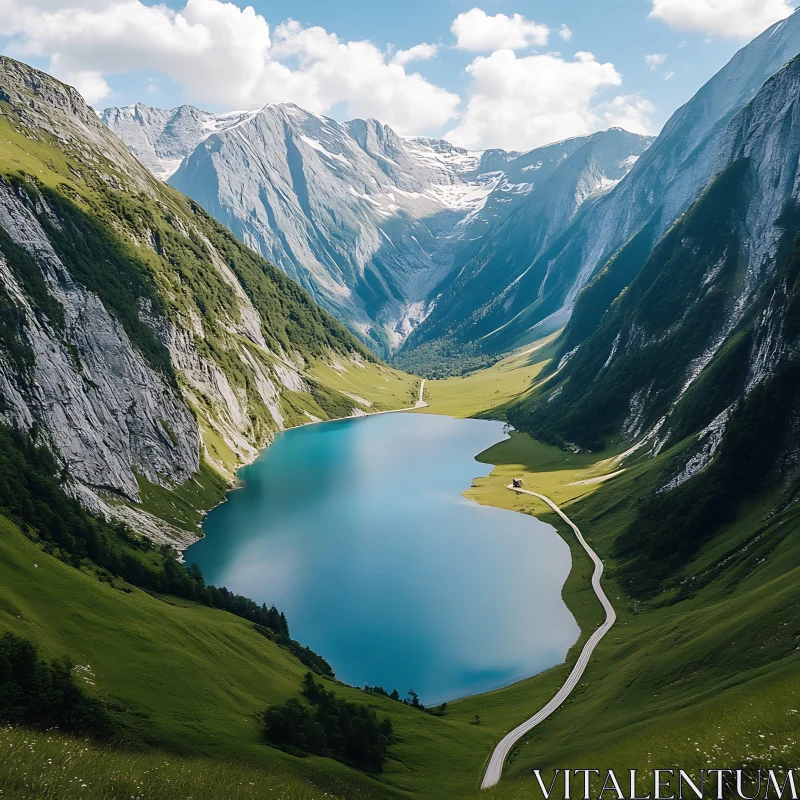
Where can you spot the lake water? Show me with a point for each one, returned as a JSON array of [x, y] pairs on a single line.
[[357, 530]]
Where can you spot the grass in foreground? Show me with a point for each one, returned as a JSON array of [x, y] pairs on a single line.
[[49, 766], [711, 681]]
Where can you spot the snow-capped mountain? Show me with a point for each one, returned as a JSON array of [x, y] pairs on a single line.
[[369, 222], [535, 287]]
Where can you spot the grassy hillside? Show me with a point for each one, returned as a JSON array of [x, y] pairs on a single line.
[[709, 678], [189, 682], [490, 391], [705, 673]]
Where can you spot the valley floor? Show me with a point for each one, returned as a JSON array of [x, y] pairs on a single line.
[[712, 680]]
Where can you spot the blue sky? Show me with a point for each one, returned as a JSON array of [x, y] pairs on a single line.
[[495, 72]]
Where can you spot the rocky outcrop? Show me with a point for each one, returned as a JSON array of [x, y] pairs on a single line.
[[108, 413]]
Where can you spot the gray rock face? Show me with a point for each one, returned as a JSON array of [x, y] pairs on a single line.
[[709, 316], [368, 222], [107, 412], [128, 382], [506, 259], [161, 139]]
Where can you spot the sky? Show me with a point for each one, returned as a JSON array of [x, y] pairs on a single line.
[[514, 74]]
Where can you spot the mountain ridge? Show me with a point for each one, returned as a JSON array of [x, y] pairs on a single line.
[[665, 180], [697, 352], [368, 222]]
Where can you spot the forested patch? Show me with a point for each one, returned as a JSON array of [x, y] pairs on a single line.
[[443, 358], [47, 694], [326, 725]]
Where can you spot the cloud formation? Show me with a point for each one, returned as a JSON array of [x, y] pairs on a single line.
[[477, 32], [419, 52], [654, 60], [519, 103], [225, 56], [734, 18]]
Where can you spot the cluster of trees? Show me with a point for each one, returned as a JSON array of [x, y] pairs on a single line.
[[326, 725], [442, 358], [46, 694]]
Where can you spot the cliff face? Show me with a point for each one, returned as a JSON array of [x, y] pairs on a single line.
[[107, 410], [138, 338]]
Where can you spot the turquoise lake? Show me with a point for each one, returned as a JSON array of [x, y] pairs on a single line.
[[358, 531]]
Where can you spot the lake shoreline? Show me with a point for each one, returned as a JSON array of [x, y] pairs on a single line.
[[236, 483], [359, 543]]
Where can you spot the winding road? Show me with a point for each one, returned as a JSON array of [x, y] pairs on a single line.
[[494, 769], [421, 403]]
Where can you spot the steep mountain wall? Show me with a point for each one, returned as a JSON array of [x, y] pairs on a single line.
[[138, 338], [665, 180], [696, 355]]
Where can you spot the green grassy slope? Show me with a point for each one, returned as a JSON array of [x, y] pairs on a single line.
[[192, 680], [707, 675], [717, 668]]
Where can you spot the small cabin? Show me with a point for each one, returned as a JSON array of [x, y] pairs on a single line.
[[517, 483]]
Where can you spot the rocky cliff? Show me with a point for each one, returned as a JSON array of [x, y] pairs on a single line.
[[688, 349], [667, 178]]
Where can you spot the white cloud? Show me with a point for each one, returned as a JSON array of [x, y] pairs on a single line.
[[477, 32], [745, 18], [223, 56], [90, 84], [419, 52], [669, 75], [655, 60], [565, 33], [521, 103], [629, 111]]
